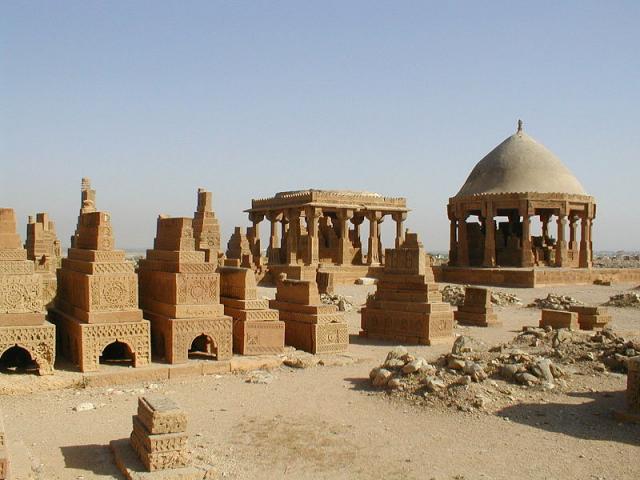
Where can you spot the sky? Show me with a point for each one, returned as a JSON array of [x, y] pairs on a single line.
[[153, 99]]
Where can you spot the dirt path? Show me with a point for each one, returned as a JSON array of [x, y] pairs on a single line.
[[325, 422]]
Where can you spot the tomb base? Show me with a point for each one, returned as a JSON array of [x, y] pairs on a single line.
[[38, 340], [559, 319], [256, 337], [174, 336], [407, 327], [133, 469], [83, 343], [316, 337], [475, 319]]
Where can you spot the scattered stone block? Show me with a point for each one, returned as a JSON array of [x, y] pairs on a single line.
[[23, 318], [559, 319], [477, 309], [310, 325], [407, 306], [257, 329], [590, 318]]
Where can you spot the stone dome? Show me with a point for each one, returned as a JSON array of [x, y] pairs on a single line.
[[520, 165]]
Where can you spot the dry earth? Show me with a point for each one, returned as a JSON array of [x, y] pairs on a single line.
[[327, 422]]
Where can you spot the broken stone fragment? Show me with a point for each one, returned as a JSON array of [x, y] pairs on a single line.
[[464, 344], [393, 363], [526, 378], [475, 371], [397, 352], [382, 377], [543, 370], [413, 366], [395, 384]]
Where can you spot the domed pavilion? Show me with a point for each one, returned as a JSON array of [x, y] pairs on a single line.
[[491, 216]]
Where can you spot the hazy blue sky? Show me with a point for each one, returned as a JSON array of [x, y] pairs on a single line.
[[154, 99]]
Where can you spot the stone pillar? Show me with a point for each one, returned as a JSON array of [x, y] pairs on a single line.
[[527, 252], [453, 241], [256, 247], [344, 243], [573, 230], [313, 215], [585, 243], [561, 244], [373, 254], [489, 259], [463, 244], [274, 242], [544, 218], [399, 218], [292, 236]]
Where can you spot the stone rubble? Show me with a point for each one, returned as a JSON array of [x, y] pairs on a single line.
[[476, 376], [343, 303], [626, 299], [555, 302]]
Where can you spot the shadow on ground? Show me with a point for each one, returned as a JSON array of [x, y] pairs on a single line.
[[355, 339], [92, 458], [588, 420]]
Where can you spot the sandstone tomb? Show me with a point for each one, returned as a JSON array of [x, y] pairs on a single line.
[[96, 311], [407, 306], [25, 333]]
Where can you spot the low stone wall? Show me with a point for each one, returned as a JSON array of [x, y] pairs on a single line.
[[533, 277]]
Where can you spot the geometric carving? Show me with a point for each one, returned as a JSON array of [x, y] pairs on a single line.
[[97, 301], [22, 314], [256, 328], [182, 306], [309, 325], [407, 306]]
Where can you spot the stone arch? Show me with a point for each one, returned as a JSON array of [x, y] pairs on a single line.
[[118, 351], [203, 345], [39, 356]]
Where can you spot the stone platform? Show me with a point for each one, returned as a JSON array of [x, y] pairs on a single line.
[[533, 277]]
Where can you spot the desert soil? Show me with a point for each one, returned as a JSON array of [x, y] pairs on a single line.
[[327, 422]]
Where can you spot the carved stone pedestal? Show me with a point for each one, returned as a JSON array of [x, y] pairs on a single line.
[[38, 340]]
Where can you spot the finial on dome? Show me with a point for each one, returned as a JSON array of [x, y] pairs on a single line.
[[520, 123]]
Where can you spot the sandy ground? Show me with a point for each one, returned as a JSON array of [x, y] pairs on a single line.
[[326, 422]]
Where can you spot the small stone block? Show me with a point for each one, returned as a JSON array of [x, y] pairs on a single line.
[[160, 414], [559, 319]]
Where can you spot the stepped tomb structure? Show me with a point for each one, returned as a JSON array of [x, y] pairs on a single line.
[[492, 238], [407, 306], [180, 295], [23, 319], [158, 445], [477, 309], [96, 310], [43, 248], [257, 329], [317, 233], [243, 250], [310, 325]]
